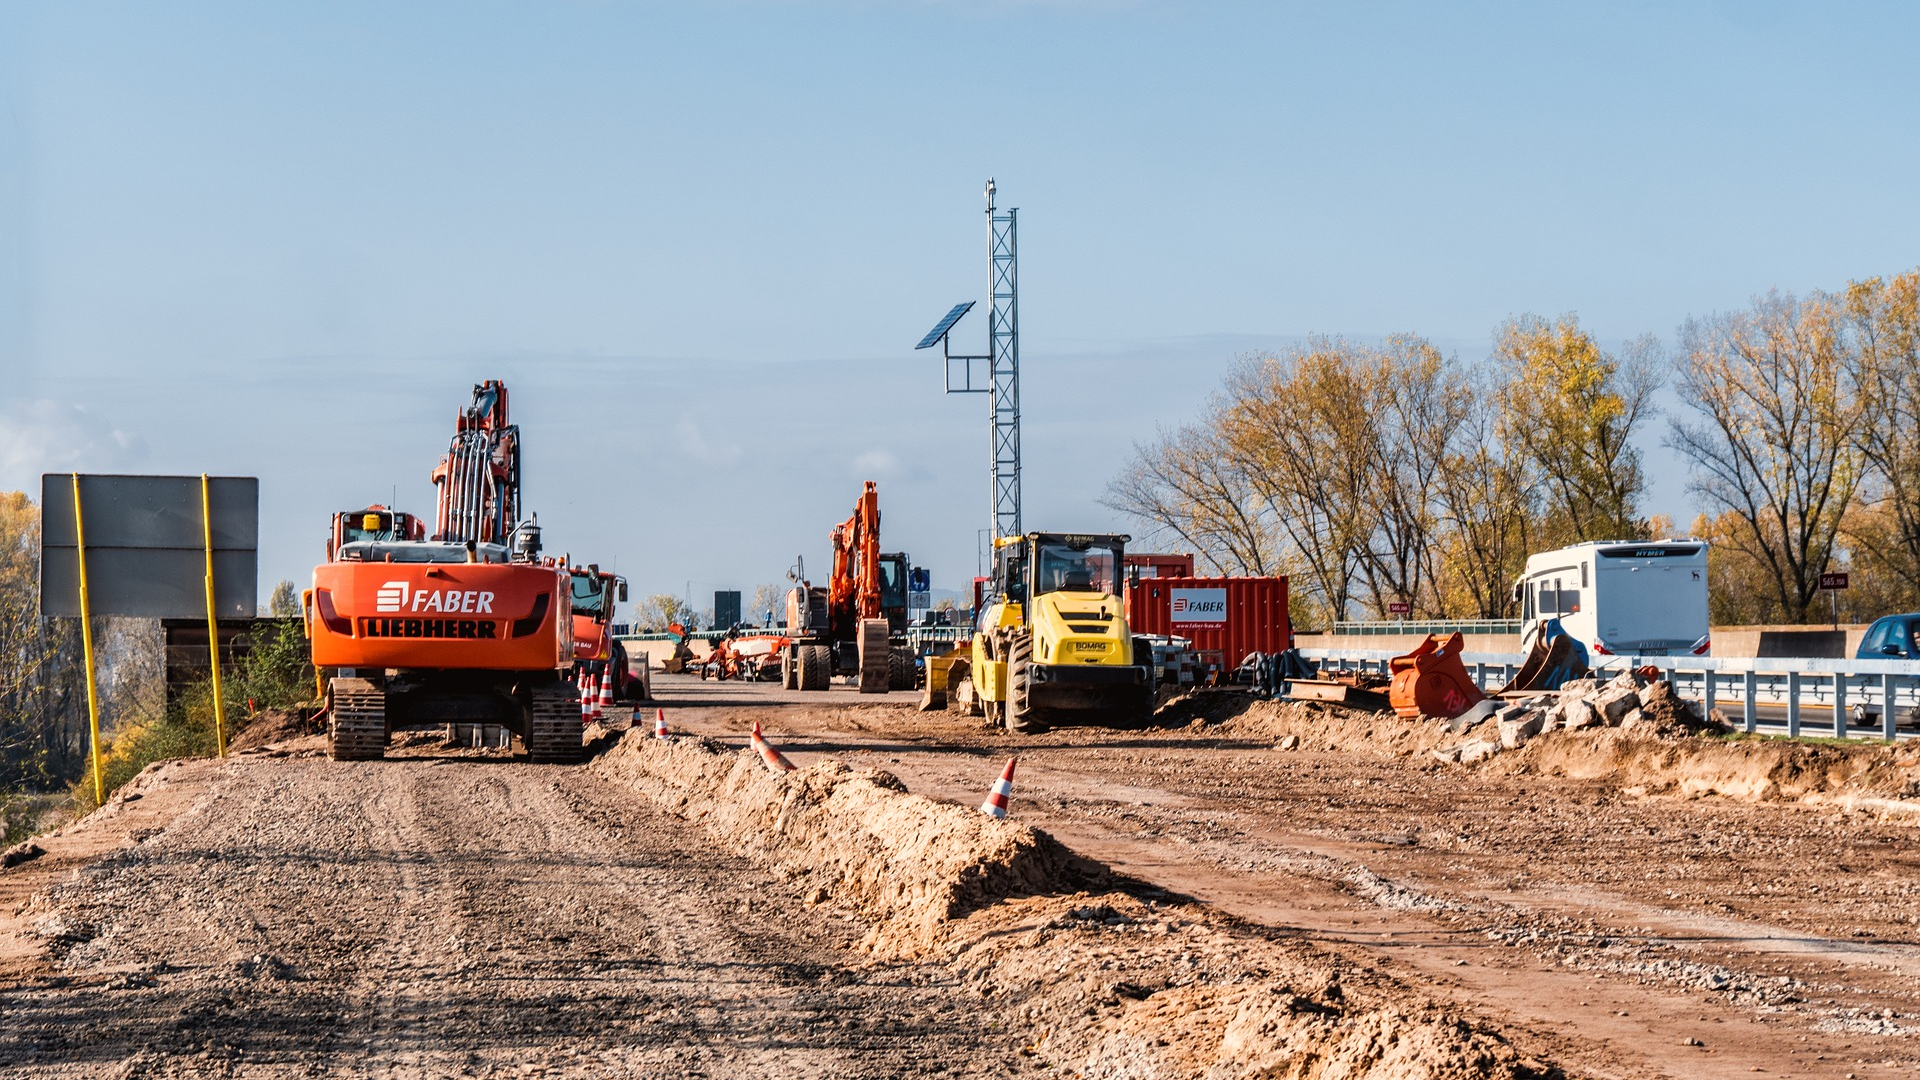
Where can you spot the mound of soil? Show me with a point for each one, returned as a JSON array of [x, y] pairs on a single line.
[[272, 726], [905, 861], [1749, 768], [1113, 978]]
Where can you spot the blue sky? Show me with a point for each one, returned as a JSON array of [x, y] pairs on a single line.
[[700, 240]]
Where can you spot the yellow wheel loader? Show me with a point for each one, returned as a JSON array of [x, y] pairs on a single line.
[[1051, 644]]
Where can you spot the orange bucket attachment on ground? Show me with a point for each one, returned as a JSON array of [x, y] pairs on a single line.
[[1431, 681]]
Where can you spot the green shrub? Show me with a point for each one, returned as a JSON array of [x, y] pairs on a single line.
[[274, 674]]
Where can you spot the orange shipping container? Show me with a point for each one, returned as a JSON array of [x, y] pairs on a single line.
[[1231, 615]]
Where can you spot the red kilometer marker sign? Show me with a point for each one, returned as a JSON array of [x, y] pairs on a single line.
[[1833, 581], [1399, 607]]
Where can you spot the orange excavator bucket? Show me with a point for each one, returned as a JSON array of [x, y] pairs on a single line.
[[1431, 681]]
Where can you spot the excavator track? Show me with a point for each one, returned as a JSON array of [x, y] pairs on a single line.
[[357, 722], [554, 729]]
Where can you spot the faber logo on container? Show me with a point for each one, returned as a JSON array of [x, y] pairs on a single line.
[[391, 597], [1199, 607]]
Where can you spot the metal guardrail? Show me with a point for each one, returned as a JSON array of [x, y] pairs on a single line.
[[1428, 626], [1800, 685]]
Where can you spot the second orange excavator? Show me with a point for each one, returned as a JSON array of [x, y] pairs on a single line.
[[848, 626]]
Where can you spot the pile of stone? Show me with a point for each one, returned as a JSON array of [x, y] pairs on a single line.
[[1628, 701]]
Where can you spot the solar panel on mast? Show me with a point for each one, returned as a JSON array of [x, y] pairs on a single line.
[[945, 324]]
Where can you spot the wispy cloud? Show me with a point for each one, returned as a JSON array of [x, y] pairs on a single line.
[[46, 436]]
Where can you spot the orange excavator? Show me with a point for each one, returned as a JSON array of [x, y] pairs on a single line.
[[848, 626], [468, 625]]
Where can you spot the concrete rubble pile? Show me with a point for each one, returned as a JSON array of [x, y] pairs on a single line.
[[1629, 701]]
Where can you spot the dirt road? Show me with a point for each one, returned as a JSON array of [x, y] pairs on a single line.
[[1615, 932], [430, 917], [675, 909]]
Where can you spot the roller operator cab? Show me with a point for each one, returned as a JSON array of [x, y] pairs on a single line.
[[1052, 644]]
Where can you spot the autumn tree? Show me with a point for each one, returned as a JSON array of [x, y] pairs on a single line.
[[1774, 439], [1881, 329], [661, 610], [1572, 410], [1299, 426], [1486, 493], [1184, 486], [284, 603], [43, 719]]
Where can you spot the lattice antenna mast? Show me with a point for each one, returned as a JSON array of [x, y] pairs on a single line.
[[999, 379], [1003, 335]]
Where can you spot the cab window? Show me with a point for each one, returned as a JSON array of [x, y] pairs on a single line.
[[589, 595], [1067, 567], [1881, 635], [893, 583]]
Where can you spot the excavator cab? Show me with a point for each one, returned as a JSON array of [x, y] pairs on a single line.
[[373, 523], [893, 590]]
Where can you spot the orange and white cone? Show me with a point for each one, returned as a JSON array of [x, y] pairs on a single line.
[[1000, 792], [586, 698], [605, 701], [775, 760], [660, 725]]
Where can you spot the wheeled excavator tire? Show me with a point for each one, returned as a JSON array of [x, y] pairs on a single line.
[[816, 667], [1022, 717], [789, 669], [554, 729], [900, 670], [356, 721]]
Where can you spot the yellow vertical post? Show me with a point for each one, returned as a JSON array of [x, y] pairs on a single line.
[[213, 625], [86, 643]]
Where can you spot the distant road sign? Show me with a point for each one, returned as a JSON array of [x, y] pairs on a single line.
[[1399, 607], [1833, 581]]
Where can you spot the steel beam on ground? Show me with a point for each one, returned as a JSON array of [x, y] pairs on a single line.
[[1750, 706], [1887, 728], [1839, 706]]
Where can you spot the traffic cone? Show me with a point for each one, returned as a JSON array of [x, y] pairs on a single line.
[[1000, 792], [586, 699], [605, 701], [660, 724], [775, 760]]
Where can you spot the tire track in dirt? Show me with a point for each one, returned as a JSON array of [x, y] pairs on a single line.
[[425, 917]]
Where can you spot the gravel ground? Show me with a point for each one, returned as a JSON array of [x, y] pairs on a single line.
[[432, 916], [1616, 931]]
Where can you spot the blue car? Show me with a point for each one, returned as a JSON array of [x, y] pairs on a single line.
[[1892, 637]]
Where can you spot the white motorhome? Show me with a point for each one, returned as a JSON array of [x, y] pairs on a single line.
[[1620, 597]]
